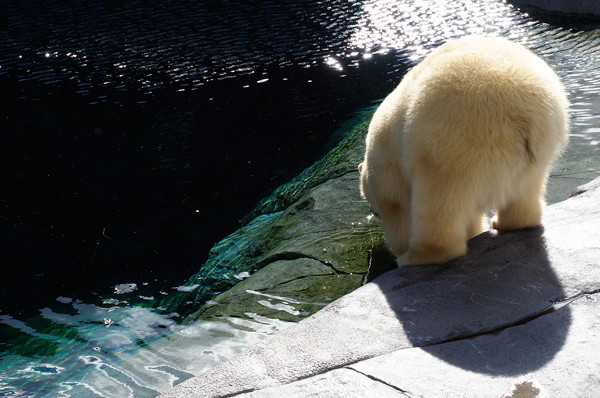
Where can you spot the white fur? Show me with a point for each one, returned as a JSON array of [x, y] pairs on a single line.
[[475, 126]]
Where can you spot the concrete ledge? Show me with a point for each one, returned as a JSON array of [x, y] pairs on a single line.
[[518, 315]]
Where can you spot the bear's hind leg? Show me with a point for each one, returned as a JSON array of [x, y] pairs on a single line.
[[523, 211], [436, 245]]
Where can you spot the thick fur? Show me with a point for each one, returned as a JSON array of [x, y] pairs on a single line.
[[475, 126]]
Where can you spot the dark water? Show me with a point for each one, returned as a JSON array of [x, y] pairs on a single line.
[[135, 135]]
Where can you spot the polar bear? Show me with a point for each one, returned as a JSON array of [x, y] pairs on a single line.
[[474, 127]]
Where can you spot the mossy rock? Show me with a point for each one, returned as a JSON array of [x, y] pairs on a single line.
[[288, 290], [322, 248], [318, 219]]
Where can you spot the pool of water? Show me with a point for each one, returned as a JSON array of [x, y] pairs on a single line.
[[135, 136]]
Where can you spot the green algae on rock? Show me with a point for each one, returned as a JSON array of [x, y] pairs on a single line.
[[321, 253], [304, 246]]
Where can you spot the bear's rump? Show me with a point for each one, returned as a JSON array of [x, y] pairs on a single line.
[[481, 117]]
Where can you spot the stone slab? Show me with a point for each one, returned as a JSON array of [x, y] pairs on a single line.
[[529, 356], [318, 251], [342, 383]]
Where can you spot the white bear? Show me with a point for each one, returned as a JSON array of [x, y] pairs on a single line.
[[474, 127]]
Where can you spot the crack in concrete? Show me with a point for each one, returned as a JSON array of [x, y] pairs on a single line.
[[235, 394], [403, 392], [378, 380], [577, 296], [556, 306]]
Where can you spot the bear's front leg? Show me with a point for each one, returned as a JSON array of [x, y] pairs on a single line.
[[430, 252], [439, 224], [395, 220]]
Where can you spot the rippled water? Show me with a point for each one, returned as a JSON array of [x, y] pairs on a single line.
[[118, 117]]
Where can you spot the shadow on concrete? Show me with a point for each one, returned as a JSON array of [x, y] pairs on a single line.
[[491, 311]]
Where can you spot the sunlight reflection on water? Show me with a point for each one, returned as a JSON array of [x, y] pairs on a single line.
[[417, 27], [97, 358]]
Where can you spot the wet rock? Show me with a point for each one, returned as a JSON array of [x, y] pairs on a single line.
[[321, 253], [518, 314], [303, 247], [286, 289]]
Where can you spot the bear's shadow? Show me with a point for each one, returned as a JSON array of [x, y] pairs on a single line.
[[488, 312]]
